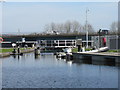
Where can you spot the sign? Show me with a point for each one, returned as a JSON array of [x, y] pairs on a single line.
[[79, 42], [23, 40], [13, 44], [1, 40]]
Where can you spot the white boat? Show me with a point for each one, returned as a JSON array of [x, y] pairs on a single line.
[[67, 50], [102, 49], [61, 55]]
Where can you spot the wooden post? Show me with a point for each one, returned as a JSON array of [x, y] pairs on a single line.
[[65, 43], [14, 50], [37, 51], [18, 50], [58, 43]]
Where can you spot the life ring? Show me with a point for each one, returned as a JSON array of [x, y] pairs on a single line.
[[1, 39]]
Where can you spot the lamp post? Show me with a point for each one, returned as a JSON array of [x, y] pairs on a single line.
[[99, 34], [18, 36], [86, 27]]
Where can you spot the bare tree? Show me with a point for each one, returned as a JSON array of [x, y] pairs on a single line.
[[88, 27], [68, 27], [53, 26], [76, 27], [60, 28], [73, 27], [114, 27]]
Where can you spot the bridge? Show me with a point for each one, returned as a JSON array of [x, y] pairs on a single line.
[[56, 43], [52, 41]]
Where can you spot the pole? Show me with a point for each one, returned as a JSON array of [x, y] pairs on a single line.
[[86, 26], [99, 38], [18, 36]]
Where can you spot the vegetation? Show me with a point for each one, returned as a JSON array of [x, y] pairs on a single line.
[[76, 49], [4, 50], [88, 49], [114, 28], [68, 27], [114, 50]]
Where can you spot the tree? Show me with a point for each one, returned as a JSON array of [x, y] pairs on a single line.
[[68, 27], [88, 27], [60, 28], [76, 27], [53, 26], [114, 27]]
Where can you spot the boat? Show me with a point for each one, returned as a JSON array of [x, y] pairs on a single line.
[[102, 49], [67, 50], [61, 55]]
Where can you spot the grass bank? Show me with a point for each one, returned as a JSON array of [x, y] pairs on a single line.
[[74, 50], [5, 50], [114, 50]]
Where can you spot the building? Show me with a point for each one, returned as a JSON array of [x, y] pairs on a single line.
[[112, 41], [46, 40]]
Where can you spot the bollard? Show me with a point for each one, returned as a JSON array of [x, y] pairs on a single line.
[[37, 51], [18, 50], [14, 51], [79, 48]]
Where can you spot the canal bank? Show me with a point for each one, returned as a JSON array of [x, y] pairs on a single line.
[[7, 54], [102, 57]]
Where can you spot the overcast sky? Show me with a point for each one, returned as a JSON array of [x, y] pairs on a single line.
[[33, 16]]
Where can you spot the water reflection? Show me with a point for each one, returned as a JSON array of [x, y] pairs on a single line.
[[87, 61], [69, 62], [37, 57], [16, 56], [49, 72]]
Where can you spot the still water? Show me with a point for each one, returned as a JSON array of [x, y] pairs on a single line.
[[46, 71]]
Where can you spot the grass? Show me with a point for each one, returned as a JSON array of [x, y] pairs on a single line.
[[74, 50], [113, 50], [4, 50], [88, 49]]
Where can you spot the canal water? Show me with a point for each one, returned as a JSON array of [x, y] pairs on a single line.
[[46, 71]]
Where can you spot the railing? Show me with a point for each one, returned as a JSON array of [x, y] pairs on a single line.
[[57, 43]]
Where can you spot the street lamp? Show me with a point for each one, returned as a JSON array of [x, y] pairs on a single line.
[[99, 34], [86, 27]]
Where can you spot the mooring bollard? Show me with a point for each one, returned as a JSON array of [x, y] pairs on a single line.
[[37, 51], [14, 51], [79, 48], [18, 50]]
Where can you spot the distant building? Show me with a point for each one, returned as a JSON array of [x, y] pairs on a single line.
[[112, 41]]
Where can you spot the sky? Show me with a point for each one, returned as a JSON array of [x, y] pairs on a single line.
[[0, 17], [60, 0], [33, 16]]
